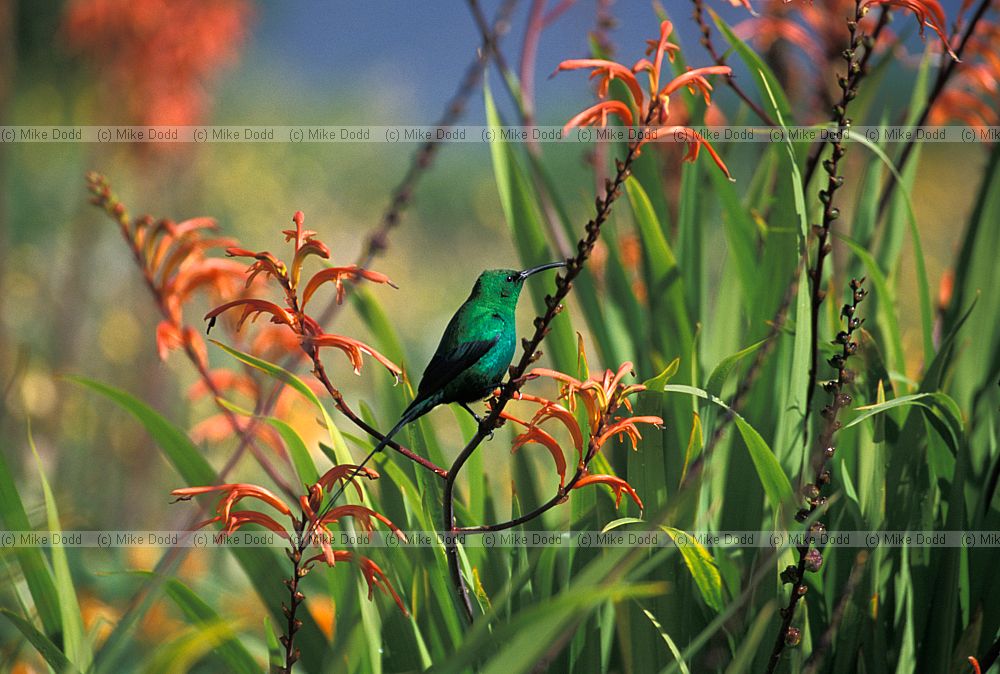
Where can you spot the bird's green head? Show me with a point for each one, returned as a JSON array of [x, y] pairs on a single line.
[[504, 285]]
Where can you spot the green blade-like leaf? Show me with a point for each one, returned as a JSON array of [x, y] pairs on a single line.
[[283, 375], [196, 610], [176, 445], [776, 484], [700, 563], [275, 656], [793, 411], [305, 468], [672, 330], [183, 652], [721, 372], [674, 651], [522, 212], [932, 401], [75, 643], [57, 659], [258, 563], [33, 565], [923, 285]]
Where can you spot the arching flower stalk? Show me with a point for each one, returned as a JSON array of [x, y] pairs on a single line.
[[174, 266]]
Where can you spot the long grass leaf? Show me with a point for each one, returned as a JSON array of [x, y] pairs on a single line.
[[75, 643], [772, 478], [49, 651]]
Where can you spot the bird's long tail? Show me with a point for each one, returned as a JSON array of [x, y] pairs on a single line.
[[416, 409]]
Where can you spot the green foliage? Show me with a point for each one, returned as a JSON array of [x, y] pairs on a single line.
[[706, 282]]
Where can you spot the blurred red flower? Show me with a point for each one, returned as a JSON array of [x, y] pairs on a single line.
[[973, 93], [158, 58]]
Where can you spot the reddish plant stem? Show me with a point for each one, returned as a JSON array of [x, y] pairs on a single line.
[[986, 662], [778, 321], [338, 400], [515, 88], [291, 297], [529, 51], [295, 596], [560, 496], [553, 306], [377, 240]]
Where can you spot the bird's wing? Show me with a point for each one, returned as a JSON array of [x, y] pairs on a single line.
[[448, 363]]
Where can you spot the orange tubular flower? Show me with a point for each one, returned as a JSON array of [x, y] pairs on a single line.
[[236, 493], [266, 263], [695, 80], [374, 575], [628, 428], [251, 307], [619, 486], [337, 275], [346, 472], [238, 518], [605, 71], [362, 516], [171, 83], [600, 395], [171, 258], [535, 435], [354, 350], [306, 332], [928, 13], [971, 96], [603, 396], [553, 410], [597, 115]]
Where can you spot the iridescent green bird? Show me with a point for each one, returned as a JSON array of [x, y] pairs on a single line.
[[475, 351]]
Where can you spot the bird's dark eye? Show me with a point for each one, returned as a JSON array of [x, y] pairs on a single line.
[[510, 279]]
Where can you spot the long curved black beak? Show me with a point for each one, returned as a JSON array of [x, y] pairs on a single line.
[[534, 270]]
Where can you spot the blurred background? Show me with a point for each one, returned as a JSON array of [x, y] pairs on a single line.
[[72, 302]]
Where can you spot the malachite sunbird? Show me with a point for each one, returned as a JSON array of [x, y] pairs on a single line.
[[475, 351]]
